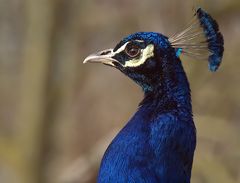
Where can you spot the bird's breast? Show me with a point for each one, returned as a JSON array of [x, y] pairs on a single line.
[[149, 149]]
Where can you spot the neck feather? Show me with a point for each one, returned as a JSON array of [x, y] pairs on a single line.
[[157, 144], [171, 91]]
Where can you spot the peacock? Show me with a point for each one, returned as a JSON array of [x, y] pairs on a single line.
[[157, 144]]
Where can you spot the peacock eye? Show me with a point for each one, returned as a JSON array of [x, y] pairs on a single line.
[[132, 50]]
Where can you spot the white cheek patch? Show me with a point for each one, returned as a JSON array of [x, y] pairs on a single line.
[[146, 53]]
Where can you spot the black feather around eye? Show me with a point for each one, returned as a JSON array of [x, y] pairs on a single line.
[[132, 50]]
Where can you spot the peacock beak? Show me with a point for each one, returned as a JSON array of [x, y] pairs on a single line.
[[104, 57]]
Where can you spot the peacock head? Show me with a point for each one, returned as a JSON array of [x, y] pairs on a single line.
[[141, 56], [152, 59]]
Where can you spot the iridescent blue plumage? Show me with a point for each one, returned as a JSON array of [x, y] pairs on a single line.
[[214, 39], [201, 40], [157, 144]]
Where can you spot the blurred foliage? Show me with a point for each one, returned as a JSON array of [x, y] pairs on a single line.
[[57, 116]]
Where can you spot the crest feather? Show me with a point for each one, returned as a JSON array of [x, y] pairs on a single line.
[[201, 40]]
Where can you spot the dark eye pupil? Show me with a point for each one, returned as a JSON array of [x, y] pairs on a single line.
[[132, 50]]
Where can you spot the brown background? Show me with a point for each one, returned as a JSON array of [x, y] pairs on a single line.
[[57, 115]]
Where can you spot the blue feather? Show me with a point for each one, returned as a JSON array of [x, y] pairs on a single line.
[[178, 52], [157, 144], [201, 40], [214, 38]]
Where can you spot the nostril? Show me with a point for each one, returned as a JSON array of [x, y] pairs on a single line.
[[105, 52]]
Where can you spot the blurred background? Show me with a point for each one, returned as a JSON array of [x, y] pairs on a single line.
[[57, 115]]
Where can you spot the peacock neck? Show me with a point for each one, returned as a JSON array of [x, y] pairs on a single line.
[[172, 95], [158, 142]]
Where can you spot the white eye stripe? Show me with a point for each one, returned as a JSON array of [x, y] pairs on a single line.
[[121, 48], [140, 41], [146, 53], [124, 46]]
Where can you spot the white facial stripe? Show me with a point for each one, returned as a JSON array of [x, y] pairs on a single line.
[[140, 41], [124, 46], [145, 54], [121, 48]]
